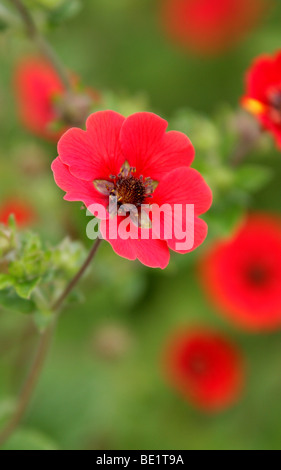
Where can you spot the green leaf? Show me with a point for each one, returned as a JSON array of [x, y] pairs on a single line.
[[252, 177], [25, 289], [5, 281], [12, 302], [68, 256]]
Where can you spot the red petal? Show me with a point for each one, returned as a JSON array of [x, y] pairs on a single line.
[[76, 189], [184, 186], [272, 127], [151, 253], [260, 77], [36, 84], [200, 234], [94, 153], [148, 147]]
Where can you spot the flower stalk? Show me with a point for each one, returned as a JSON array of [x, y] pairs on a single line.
[[44, 47], [42, 352]]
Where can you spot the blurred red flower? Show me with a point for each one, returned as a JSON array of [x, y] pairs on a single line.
[[263, 93], [243, 275], [138, 162], [45, 108], [205, 368], [210, 26], [22, 210]]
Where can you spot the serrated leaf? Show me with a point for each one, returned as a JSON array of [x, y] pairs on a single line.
[[25, 289]]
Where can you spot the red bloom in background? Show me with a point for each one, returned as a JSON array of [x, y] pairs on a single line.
[[23, 212], [138, 162], [42, 100], [243, 275], [210, 26], [263, 93], [205, 368]]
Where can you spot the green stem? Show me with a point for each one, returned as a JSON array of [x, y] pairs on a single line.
[[42, 352], [42, 44]]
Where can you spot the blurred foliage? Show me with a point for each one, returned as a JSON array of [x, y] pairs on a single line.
[[233, 185], [30, 274], [102, 387]]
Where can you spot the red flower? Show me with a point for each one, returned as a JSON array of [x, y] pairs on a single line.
[[23, 212], [205, 368], [137, 162], [243, 275], [210, 26], [263, 93], [44, 107]]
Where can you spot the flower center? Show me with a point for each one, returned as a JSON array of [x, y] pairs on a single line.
[[130, 190], [257, 275], [127, 189], [198, 366]]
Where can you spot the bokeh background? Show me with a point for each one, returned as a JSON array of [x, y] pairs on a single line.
[[103, 386]]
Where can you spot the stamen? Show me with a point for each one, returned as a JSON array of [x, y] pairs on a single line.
[[128, 190], [103, 186], [125, 170]]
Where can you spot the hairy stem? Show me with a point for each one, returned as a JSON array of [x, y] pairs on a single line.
[[57, 305], [41, 43], [41, 354]]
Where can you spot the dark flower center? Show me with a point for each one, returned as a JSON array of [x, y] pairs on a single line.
[[130, 190], [257, 275], [127, 189], [198, 365]]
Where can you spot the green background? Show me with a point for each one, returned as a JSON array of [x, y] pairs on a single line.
[[98, 393]]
